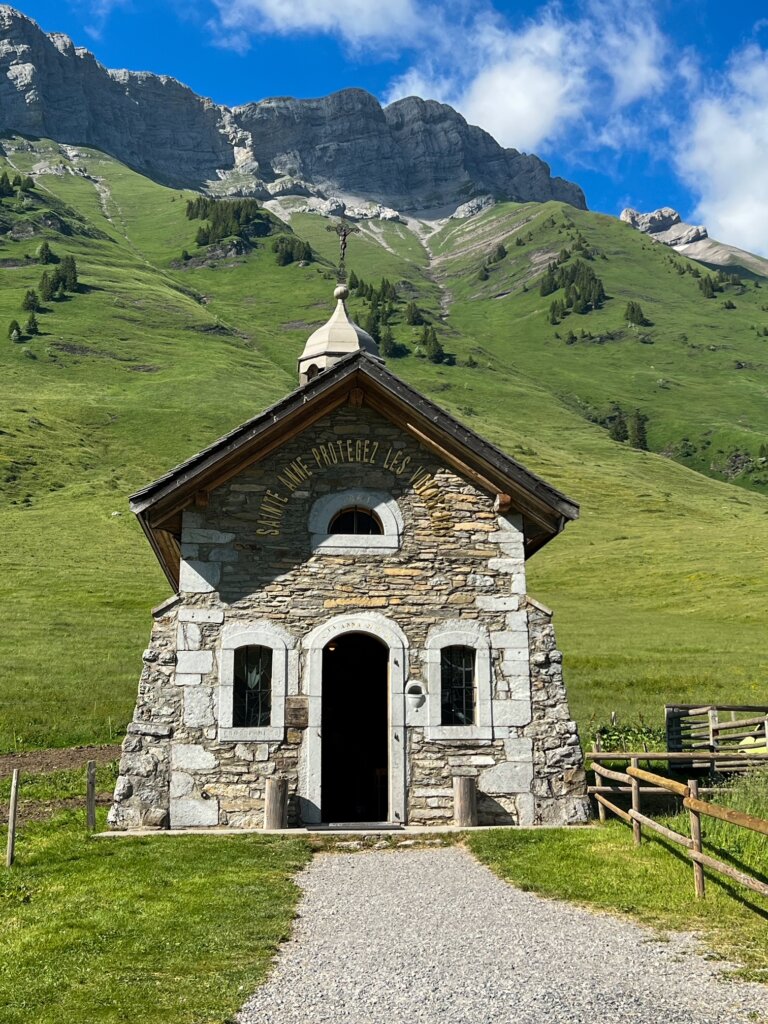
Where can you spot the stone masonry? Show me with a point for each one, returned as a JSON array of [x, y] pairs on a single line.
[[248, 558]]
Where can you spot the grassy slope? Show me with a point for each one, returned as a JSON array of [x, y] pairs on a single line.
[[657, 588]]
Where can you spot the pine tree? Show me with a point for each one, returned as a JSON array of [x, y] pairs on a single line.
[[618, 428], [6, 189], [28, 184], [47, 289], [413, 315], [431, 347], [14, 330], [68, 271], [636, 433], [548, 285], [498, 254], [353, 281], [633, 314], [482, 274], [16, 183], [32, 326], [45, 254], [387, 343], [31, 301], [61, 292]]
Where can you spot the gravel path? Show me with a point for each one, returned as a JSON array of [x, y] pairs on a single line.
[[433, 937]]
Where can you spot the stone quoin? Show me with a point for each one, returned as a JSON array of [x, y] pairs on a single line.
[[351, 615]]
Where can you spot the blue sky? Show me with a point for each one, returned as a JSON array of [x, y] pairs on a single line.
[[643, 104]]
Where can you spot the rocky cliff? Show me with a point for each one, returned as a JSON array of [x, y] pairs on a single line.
[[411, 154]]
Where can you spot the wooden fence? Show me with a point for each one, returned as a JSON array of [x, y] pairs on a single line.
[[630, 781], [740, 730], [90, 808]]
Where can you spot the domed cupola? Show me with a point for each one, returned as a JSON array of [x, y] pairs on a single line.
[[334, 340]]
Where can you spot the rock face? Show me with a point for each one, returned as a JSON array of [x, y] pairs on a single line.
[[665, 225], [413, 153]]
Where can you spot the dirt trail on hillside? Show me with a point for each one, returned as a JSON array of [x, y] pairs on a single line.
[[35, 762]]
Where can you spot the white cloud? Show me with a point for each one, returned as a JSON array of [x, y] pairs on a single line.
[[98, 13], [530, 90], [723, 153], [530, 84], [357, 22]]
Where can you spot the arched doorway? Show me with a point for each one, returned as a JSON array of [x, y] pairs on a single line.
[[355, 729]]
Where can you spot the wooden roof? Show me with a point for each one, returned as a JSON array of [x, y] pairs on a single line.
[[361, 380]]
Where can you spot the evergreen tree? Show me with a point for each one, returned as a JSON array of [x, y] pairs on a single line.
[[413, 315], [31, 302], [14, 330], [16, 183], [618, 426], [184, 256], [61, 292], [498, 254], [27, 184], [353, 281], [32, 326], [6, 189], [387, 343], [203, 236], [371, 325], [548, 285], [68, 272], [46, 287], [482, 274], [45, 254], [431, 347], [636, 433], [633, 314]]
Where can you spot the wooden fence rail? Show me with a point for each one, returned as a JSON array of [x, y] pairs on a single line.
[[692, 802], [737, 729]]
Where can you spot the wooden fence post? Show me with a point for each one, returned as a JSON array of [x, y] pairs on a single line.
[[465, 800], [597, 746], [11, 848], [275, 803], [90, 796], [636, 833], [698, 870]]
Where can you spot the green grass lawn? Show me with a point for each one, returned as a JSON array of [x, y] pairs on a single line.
[[600, 868], [142, 930]]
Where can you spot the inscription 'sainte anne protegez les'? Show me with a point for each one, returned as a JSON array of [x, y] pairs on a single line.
[[345, 451]]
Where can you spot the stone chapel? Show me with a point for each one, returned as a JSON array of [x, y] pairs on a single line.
[[350, 614]]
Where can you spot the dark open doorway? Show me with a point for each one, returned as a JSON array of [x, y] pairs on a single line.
[[355, 729]]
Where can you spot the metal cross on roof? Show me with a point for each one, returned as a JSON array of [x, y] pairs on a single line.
[[343, 229]]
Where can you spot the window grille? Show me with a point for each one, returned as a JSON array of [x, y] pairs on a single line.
[[252, 697], [355, 520], [457, 686]]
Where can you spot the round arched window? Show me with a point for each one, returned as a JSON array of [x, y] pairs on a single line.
[[355, 520]]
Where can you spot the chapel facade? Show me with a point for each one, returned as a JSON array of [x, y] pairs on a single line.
[[351, 614]]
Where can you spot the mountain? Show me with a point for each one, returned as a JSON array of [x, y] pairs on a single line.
[[667, 226], [410, 154], [166, 344]]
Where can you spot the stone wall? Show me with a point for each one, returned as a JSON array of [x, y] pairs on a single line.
[[248, 557]]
